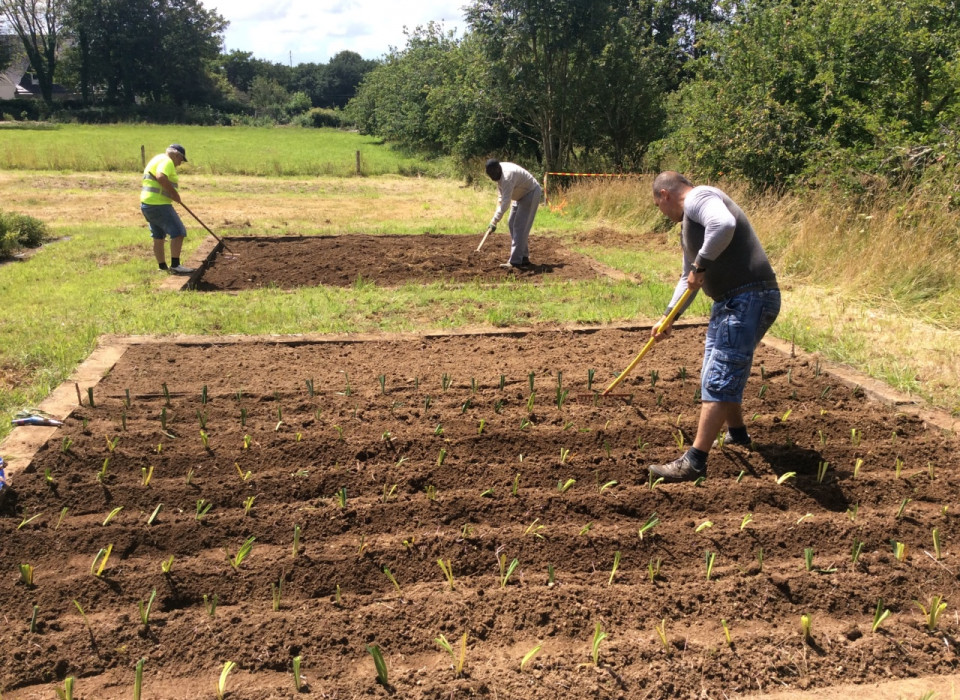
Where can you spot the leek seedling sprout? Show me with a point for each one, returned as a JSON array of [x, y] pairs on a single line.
[[447, 571], [710, 558], [506, 571], [153, 516], [102, 556], [248, 504], [747, 519], [608, 485], [936, 543], [205, 439], [564, 455], [166, 566], [242, 553], [431, 492], [145, 609], [564, 486], [662, 634], [857, 550], [530, 401], [805, 627], [822, 471], [379, 663], [203, 507], [441, 457], [63, 514], [102, 474], [598, 636], [112, 444], [932, 614], [298, 681], [247, 441], [26, 575], [703, 526], [458, 658], [616, 565], [138, 679], [903, 505], [585, 529], [898, 467], [648, 526], [726, 632], [516, 485], [210, 604], [66, 692], [760, 559], [653, 568], [296, 540], [786, 477], [27, 521], [276, 592], [534, 529], [391, 578], [856, 467], [65, 445], [222, 682], [341, 497], [112, 514], [551, 576], [879, 615], [808, 558], [533, 652], [899, 550], [146, 474]]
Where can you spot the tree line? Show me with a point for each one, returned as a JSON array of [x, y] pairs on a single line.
[[778, 92]]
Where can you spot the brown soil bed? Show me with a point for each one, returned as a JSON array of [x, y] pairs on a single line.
[[388, 261], [441, 462]]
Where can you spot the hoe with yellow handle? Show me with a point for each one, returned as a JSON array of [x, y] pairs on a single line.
[[666, 322]]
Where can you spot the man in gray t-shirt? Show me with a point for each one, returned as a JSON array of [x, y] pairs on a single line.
[[519, 191], [722, 256]]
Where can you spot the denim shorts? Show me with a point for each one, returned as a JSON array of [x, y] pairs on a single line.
[[736, 326], [164, 221]]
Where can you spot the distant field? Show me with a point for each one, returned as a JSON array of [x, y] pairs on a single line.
[[211, 150]]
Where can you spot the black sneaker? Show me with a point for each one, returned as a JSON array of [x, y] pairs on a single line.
[[728, 441], [525, 262], [681, 469]]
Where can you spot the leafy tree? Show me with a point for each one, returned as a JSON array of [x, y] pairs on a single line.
[[343, 74], [37, 23]]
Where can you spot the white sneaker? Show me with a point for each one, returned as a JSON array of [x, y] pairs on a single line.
[[182, 270]]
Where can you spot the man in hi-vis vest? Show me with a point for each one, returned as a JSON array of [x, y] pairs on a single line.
[[157, 195]]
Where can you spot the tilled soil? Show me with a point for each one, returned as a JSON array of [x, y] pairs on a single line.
[[389, 261], [474, 450]]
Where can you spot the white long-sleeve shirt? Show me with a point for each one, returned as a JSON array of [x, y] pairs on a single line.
[[514, 184]]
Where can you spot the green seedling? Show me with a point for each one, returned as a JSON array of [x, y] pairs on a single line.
[[506, 571], [654, 377], [481, 426], [616, 565], [431, 492], [710, 558], [447, 571], [247, 441], [535, 530], [27, 521], [205, 439], [389, 492], [203, 507], [786, 477], [856, 552], [551, 576], [608, 485], [598, 636], [515, 487], [808, 558], [740, 476], [662, 634], [112, 514], [379, 662], [653, 568], [932, 614], [48, 477], [391, 578], [65, 445], [163, 419], [561, 396], [138, 679], [760, 559], [747, 519], [564, 455], [806, 627], [347, 391], [903, 505], [653, 483], [763, 390], [679, 438], [503, 382], [210, 604], [382, 378], [726, 632], [102, 474], [126, 398], [458, 658], [63, 514], [856, 467], [26, 575], [530, 401], [244, 475], [298, 681], [166, 566], [879, 615], [852, 512], [530, 379], [822, 468], [585, 529], [112, 444], [533, 652], [90, 397], [936, 543], [66, 692], [899, 550], [783, 418], [33, 624], [855, 437], [648, 526], [441, 457], [100, 561], [898, 467], [276, 593], [146, 474], [524, 423], [222, 682], [145, 609], [248, 504], [243, 418], [703, 526], [445, 381], [341, 497], [296, 541], [564, 486], [804, 517], [498, 406], [242, 553]]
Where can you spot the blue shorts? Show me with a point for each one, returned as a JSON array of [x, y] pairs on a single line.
[[164, 221], [736, 326]]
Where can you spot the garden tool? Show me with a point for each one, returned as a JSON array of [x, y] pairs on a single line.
[[484, 239], [219, 240], [666, 322]]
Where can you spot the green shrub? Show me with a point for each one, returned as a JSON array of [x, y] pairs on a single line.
[[20, 231], [319, 117]]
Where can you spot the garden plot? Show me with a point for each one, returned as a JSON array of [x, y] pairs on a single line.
[[266, 502], [387, 261]]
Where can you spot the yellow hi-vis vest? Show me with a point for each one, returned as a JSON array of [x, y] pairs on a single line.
[[151, 192]]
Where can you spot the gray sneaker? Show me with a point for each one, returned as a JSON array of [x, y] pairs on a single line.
[[681, 469], [728, 441], [182, 270]]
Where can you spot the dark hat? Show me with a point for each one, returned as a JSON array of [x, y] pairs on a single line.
[[494, 171], [179, 149]]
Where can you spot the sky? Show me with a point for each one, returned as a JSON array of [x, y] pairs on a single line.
[[313, 31]]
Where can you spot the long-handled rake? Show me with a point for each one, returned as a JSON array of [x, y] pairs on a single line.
[[650, 343], [231, 254]]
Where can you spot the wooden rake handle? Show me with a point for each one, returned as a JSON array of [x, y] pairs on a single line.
[[484, 239], [666, 322], [219, 240]]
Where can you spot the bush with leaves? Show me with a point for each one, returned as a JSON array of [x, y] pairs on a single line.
[[20, 231]]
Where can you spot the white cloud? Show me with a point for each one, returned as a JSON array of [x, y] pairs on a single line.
[[312, 31]]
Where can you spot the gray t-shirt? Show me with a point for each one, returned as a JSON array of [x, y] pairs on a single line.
[[717, 235]]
